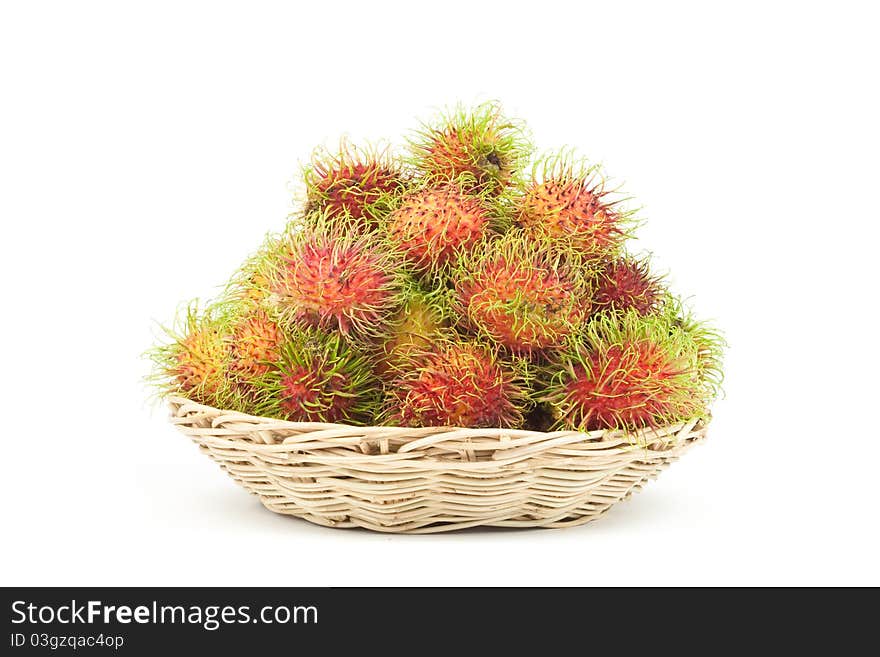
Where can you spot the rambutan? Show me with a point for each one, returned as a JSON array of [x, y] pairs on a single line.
[[256, 344], [624, 284], [421, 318], [480, 148], [352, 181], [568, 200], [627, 372], [525, 295], [457, 383], [249, 285], [709, 341], [319, 378], [196, 359], [433, 226], [329, 274]]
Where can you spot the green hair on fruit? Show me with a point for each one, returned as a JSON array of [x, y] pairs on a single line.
[[479, 147], [320, 377], [627, 372], [523, 294], [567, 199], [353, 181], [457, 382]]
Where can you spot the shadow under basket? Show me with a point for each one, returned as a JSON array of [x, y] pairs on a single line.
[[433, 479]]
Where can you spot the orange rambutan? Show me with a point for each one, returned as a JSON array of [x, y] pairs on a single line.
[[196, 360], [568, 200], [256, 344], [433, 226]]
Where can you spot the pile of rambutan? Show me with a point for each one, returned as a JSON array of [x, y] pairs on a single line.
[[464, 282]]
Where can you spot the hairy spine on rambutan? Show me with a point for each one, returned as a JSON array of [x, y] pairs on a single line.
[[320, 377], [433, 226], [627, 284], [358, 182], [329, 273], [480, 148], [523, 294], [567, 199], [627, 372], [195, 361], [457, 383]]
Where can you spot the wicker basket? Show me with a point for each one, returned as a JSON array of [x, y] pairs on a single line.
[[392, 479]]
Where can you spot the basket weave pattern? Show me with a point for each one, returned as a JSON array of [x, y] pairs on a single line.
[[394, 479]]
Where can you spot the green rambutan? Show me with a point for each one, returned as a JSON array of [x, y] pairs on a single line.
[[627, 372], [435, 224], [567, 200], [479, 148], [249, 285], [422, 317], [525, 295], [626, 283], [319, 378], [196, 360], [326, 272], [710, 342], [357, 182], [457, 383]]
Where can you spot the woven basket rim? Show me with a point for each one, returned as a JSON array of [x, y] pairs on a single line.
[[411, 439]]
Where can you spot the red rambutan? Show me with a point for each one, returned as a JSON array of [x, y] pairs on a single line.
[[352, 181], [433, 226], [327, 273], [627, 372], [319, 378], [568, 201], [460, 384], [624, 284], [522, 294]]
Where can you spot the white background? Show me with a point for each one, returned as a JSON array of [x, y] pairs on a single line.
[[145, 148]]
